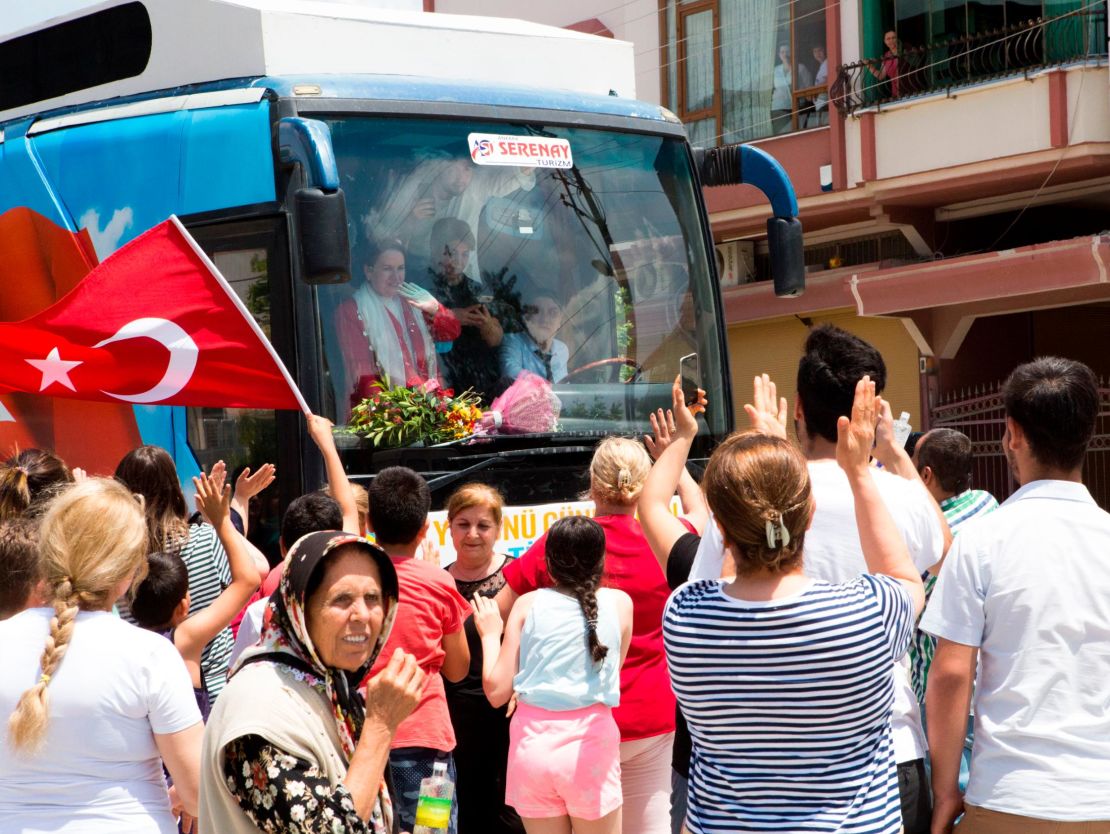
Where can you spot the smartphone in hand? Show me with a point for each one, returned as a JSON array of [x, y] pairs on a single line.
[[690, 375]]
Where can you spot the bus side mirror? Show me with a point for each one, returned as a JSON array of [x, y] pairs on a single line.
[[744, 164], [319, 208], [322, 224], [784, 245]]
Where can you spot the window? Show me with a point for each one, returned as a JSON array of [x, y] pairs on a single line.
[[247, 254], [728, 72]]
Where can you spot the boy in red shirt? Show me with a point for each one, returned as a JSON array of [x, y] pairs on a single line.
[[429, 625]]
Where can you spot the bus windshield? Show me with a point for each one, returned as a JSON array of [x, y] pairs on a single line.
[[504, 259]]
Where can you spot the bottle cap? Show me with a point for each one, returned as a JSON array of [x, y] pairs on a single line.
[[439, 768]]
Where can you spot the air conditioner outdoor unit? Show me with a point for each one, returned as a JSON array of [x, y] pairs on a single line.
[[736, 262]]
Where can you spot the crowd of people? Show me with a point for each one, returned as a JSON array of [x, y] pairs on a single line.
[[759, 662]]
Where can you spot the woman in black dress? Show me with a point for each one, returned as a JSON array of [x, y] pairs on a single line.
[[481, 732]]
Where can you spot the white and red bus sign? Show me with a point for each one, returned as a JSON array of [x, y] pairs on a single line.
[[522, 151]]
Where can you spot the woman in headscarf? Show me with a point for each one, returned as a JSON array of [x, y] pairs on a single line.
[[389, 328], [291, 746]]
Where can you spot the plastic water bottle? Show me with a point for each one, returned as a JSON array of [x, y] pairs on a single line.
[[902, 429], [433, 808]]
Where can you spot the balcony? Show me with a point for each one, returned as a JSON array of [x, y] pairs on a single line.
[[946, 65]]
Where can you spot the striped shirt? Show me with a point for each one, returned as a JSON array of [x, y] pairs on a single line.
[[958, 510], [789, 705], [209, 574]]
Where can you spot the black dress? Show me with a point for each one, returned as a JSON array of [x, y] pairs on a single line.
[[481, 734]]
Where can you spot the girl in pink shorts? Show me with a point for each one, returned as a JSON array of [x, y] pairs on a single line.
[[562, 652]]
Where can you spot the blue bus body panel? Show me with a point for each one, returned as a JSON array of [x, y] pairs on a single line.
[[118, 178]]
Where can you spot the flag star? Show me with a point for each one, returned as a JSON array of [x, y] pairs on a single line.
[[5, 415], [54, 369]]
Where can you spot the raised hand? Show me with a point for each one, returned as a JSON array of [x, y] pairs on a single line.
[[856, 436], [213, 498], [320, 430], [419, 298], [487, 616], [677, 421], [248, 485], [662, 427], [767, 410], [393, 693], [429, 552]]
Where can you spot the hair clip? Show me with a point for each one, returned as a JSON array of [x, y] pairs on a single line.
[[45, 678], [779, 535]]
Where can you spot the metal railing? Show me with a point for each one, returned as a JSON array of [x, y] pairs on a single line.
[[948, 63], [980, 414]]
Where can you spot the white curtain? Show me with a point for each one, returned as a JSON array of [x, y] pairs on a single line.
[[751, 31]]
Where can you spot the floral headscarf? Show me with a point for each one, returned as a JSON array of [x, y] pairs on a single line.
[[285, 640]]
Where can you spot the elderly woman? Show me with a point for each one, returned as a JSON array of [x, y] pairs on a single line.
[[389, 328], [481, 731], [290, 746], [92, 705], [646, 713]]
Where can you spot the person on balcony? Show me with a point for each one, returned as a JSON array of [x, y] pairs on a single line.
[[782, 90], [890, 68]]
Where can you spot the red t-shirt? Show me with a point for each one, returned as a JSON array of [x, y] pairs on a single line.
[[647, 703], [429, 607]]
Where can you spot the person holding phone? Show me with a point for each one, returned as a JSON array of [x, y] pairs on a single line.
[[471, 359]]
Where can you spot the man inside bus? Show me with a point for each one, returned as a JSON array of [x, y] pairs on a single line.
[[443, 186], [472, 362], [536, 349]]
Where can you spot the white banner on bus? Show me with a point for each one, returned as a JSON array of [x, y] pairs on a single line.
[[522, 151], [520, 526]]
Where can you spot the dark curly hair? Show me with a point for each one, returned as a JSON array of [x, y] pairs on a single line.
[[575, 554], [833, 363]]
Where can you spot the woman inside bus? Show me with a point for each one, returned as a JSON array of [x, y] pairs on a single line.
[[388, 329], [646, 713]]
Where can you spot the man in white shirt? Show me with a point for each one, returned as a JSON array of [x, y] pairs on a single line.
[[1026, 593], [833, 363]]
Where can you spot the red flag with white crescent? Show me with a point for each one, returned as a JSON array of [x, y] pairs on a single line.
[[155, 324]]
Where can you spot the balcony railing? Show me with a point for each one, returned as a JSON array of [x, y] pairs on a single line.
[[943, 65]]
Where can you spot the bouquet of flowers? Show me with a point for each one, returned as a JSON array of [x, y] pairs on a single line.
[[404, 415]]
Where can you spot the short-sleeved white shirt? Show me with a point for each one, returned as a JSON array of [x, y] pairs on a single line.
[[1029, 585], [832, 553], [98, 770]]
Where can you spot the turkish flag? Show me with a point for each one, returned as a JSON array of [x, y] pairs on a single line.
[[154, 324], [49, 261]]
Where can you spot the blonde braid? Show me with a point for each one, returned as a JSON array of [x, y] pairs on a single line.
[[27, 725]]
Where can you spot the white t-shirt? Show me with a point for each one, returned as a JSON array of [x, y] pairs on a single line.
[[832, 553], [1029, 585], [98, 770]]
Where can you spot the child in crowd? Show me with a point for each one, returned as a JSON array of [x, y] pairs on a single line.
[[29, 479], [20, 571], [429, 625], [562, 654], [161, 601]]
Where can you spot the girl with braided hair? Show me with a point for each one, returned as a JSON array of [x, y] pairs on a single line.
[[94, 704], [562, 653], [646, 715]]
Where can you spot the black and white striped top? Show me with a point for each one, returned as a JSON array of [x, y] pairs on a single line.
[[209, 574], [789, 703]]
